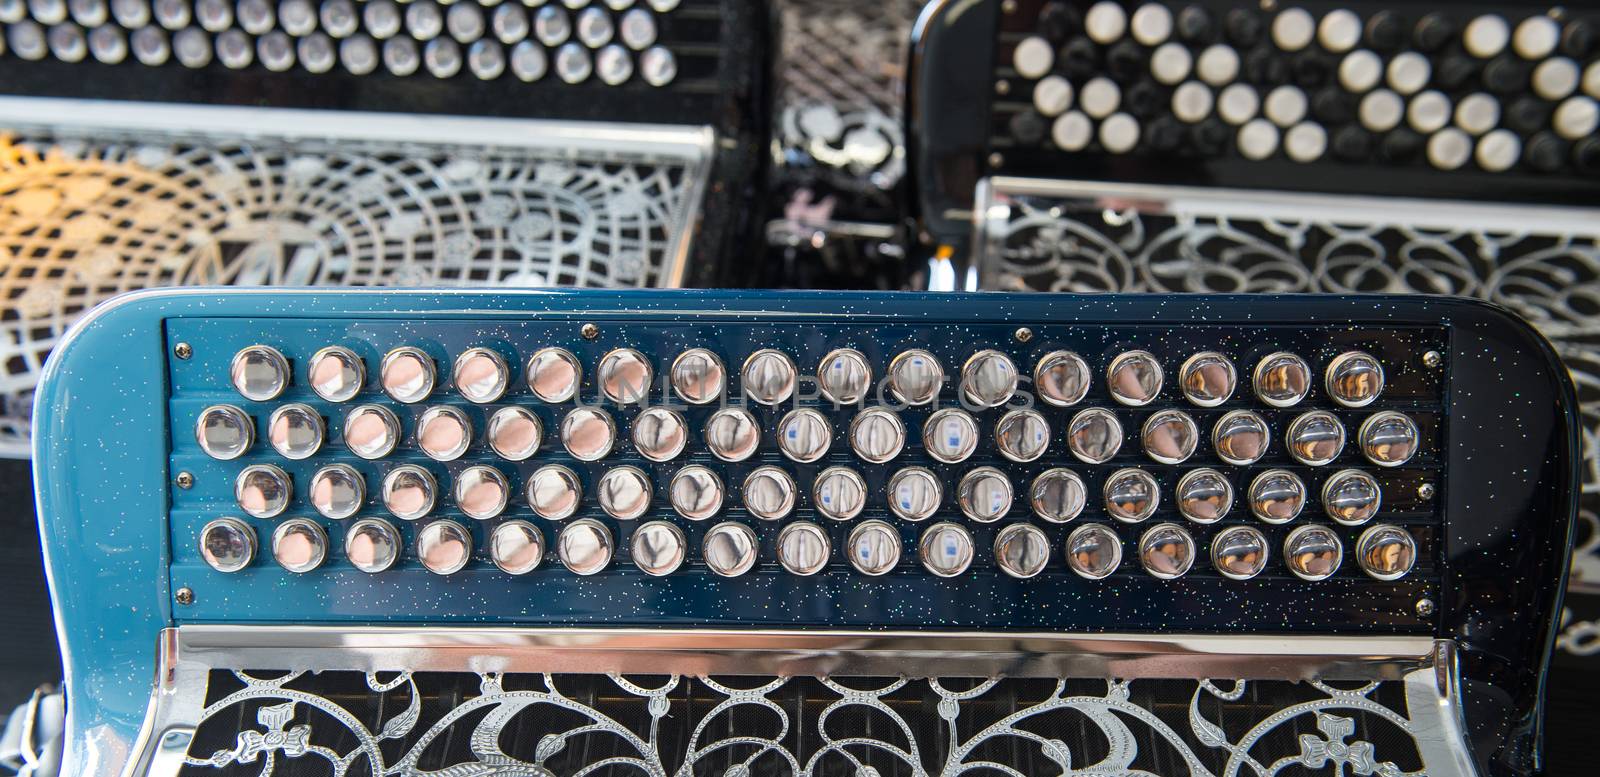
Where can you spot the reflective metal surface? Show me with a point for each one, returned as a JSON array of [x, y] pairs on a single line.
[[371, 431], [336, 373], [732, 434], [769, 493], [444, 547], [1134, 378], [1313, 552], [259, 373], [698, 376], [804, 435], [769, 377], [658, 548], [409, 492], [337, 491], [729, 549], [481, 375], [1389, 438], [1351, 497], [1354, 379], [554, 492], [554, 374], [1277, 496], [660, 434], [950, 435], [985, 494], [1386, 552], [945, 549], [1166, 551], [844, 376], [915, 377], [988, 379], [624, 376], [1204, 495], [1058, 495], [443, 433], [1093, 551], [407, 375], [263, 490], [1062, 378], [1131, 495], [1021, 550], [1241, 437], [224, 432], [296, 431], [1170, 436], [696, 492], [1315, 438], [1208, 378], [481, 492], [915, 493], [803, 548], [1282, 379], [839, 493], [299, 545], [624, 493], [1239, 552], [877, 435], [227, 544], [873, 548], [514, 433], [372, 545], [516, 547], [1022, 435], [588, 433], [1094, 435], [584, 546]]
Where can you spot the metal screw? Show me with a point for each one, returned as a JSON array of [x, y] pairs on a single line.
[[995, 160], [185, 596], [1024, 334], [184, 480], [1425, 491], [1432, 359], [1424, 608], [1002, 87], [589, 331], [182, 350]]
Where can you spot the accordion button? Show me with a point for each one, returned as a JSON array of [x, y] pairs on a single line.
[[481, 492], [614, 64], [1351, 497], [1360, 70], [915, 493], [1277, 496], [275, 49], [985, 494], [336, 373], [259, 373], [877, 435], [1052, 96], [594, 27], [528, 61], [660, 434], [1218, 65], [1429, 111], [945, 549], [552, 25], [316, 51], [844, 376], [1166, 551], [1021, 550], [1554, 79], [1204, 495], [1354, 379], [1293, 29], [1340, 30], [698, 376], [224, 432], [1315, 438], [553, 491], [371, 431], [1389, 439], [1134, 378], [1033, 57], [637, 29], [839, 493], [1058, 495], [339, 18], [988, 379], [658, 66], [1239, 552], [1131, 495], [409, 492], [444, 547], [516, 547], [874, 548], [1536, 37], [1170, 436], [382, 17], [769, 493], [732, 434], [107, 44], [1093, 551], [1208, 379], [658, 548], [573, 63], [585, 546], [407, 375], [696, 492], [263, 490], [423, 20], [463, 20], [1282, 379], [1486, 36], [1105, 22], [1151, 24], [1062, 378], [803, 548], [1241, 437], [299, 545], [1022, 435], [554, 374], [486, 59], [295, 431], [131, 14], [624, 375], [443, 433], [588, 433], [227, 544], [804, 435], [372, 545], [915, 377], [481, 375], [624, 493], [514, 433], [729, 549], [1386, 552], [950, 435], [1313, 552], [768, 377], [1094, 435]]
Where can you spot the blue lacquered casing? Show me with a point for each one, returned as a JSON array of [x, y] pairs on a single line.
[[106, 407]]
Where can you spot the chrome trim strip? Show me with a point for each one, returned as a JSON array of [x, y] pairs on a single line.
[[1433, 701]]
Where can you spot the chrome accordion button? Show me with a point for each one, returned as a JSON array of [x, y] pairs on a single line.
[[873, 548], [1386, 552], [443, 433], [1282, 379], [1021, 550], [371, 431], [1094, 435], [877, 435], [588, 433], [1134, 378], [1241, 438], [1058, 495], [988, 379], [1204, 495], [481, 492], [769, 493], [1022, 435], [224, 432], [296, 431], [1354, 379], [262, 490], [1094, 551], [1313, 552], [729, 549], [624, 493], [1062, 378], [1170, 436], [259, 373], [554, 375], [1239, 552], [336, 373], [839, 493], [950, 435], [1208, 379], [481, 375], [584, 546], [945, 549], [1277, 496], [1351, 497], [985, 494], [1131, 495], [407, 375], [227, 544], [804, 548], [915, 493], [1315, 438], [732, 434], [444, 547], [372, 545], [658, 66], [337, 491], [660, 434], [658, 548], [516, 547], [915, 377], [409, 492], [844, 376], [299, 545], [769, 377], [698, 376], [1166, 551], [624, 375], [514, 433], [696, 492], [804, 435], [1389, 439], [554, 492]]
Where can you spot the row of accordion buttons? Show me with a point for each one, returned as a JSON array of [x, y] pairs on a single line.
[[730, 549]]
